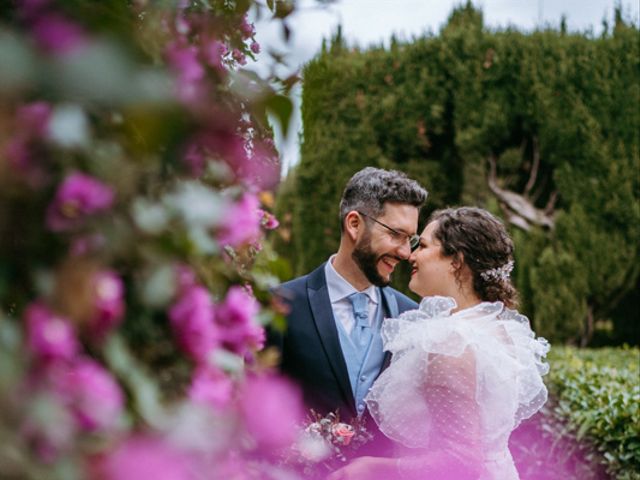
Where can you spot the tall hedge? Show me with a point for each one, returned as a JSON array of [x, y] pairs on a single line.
[[445, 107]]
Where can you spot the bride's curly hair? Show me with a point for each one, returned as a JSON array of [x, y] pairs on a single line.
[[486, 247]]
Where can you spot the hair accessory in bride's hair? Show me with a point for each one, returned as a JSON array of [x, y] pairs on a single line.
[[500, 273]]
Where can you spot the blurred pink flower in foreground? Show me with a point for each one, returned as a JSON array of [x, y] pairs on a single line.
[[87, 244], [18, 154], [237, 322], [109, 303], [214, 52], [23, 151], [217, 144], [143, 457], [58, 35], [269, 221], [246, 28], [241, 223], [262, 169], [195, 159], [272, 410], [33, 118], [50, 337], [78, 197], [192, 320], [239, 56], [257, 167], [210, 387], [184, 61], [91, 393], [185, 277]]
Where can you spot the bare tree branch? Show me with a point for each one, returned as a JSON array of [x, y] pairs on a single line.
[[540, 188], [551, 204], [521, 212]]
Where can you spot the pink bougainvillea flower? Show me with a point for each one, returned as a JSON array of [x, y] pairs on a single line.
[[142, 457], [86, 244], [236, 318], [57, 34], [214, 52], [239, 56], [255, 47], [192, 321], [272, 411], [33, 118], [247, 29], [184, 60], [269, 221], [195, 159], [260, 169], [190, 73], [185, 277], [91, 393], [222, 144], [50, 337], [109, 303], [210, 387], [18, 154], [78, 197], [23, 151], [241, 223]]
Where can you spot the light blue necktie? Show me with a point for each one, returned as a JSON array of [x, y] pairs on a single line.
[[361, 333]]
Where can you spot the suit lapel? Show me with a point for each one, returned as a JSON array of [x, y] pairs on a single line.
[[390, 305], [326, 326]]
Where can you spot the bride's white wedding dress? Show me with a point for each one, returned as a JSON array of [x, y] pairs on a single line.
[[457, 386]]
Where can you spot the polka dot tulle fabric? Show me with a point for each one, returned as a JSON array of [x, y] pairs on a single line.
[[458, 385]]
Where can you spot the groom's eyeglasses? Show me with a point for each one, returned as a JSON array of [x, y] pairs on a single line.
[[396, 236]]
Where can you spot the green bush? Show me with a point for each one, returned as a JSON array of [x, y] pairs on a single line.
[[557, 114], [595, 398]]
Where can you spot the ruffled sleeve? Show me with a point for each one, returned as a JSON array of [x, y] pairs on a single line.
[[530, 366], [458, 381]]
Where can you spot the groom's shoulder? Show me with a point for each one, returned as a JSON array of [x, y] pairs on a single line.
[[404, 302], [298, 286]]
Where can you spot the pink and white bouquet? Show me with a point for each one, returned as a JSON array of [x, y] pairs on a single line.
[[326, 442]]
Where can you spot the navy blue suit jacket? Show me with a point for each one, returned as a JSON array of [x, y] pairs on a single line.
[[310, 346]]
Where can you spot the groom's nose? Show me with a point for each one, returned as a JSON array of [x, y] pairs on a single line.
[[404, 251]]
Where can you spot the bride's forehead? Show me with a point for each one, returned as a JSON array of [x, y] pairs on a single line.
[[429, 230]]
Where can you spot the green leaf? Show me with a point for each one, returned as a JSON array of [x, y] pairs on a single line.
[[281, 107], [144, 391], [584, 428]]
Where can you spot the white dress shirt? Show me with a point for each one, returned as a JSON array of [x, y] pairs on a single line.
[[339, 290]]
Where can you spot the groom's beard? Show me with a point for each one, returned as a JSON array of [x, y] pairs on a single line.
[[367, 260]]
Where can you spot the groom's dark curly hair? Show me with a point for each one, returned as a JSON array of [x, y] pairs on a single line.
[[485, 245], [370, 188]]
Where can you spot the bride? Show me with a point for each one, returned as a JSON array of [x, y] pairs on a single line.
[[466, 367]]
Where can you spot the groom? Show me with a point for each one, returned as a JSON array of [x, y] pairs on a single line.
[[332, 345]]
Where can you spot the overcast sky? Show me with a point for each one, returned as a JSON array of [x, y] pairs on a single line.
[[367, 22]]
